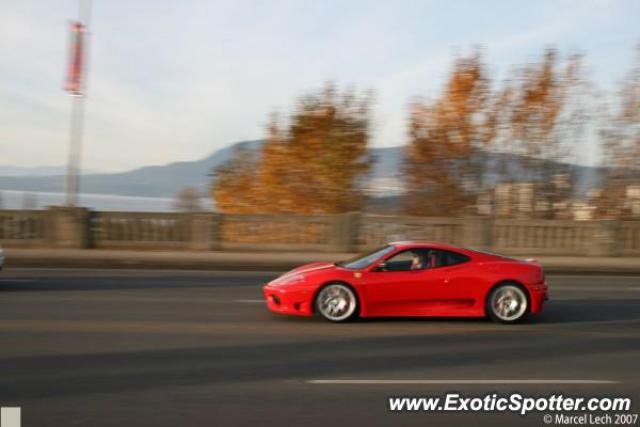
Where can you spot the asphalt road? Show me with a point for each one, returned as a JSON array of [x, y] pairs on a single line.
[[164, 348]]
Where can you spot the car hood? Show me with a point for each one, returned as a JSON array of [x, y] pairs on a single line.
[[303, 271], [314, 266]]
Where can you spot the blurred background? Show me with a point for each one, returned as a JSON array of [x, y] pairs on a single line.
[[464, 109]]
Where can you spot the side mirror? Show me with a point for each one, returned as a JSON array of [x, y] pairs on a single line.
[[381, 267]]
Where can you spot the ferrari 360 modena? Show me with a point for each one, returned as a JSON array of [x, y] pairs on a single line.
[[412, 279]]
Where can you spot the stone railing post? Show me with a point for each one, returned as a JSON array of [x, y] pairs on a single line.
[[203, 231], [344, 232], [69, 227], [604, 242], [476, 232]]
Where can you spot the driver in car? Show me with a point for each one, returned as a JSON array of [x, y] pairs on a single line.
[[417, 262]]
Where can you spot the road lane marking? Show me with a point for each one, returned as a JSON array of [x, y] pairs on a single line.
[[10, 416], [212, 327], [249, 301], [460, 382]]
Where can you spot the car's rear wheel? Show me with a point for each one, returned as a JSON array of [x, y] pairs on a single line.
[[337, 302], [507, 303]]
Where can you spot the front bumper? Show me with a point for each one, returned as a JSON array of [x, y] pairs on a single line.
[[288, 300], [539, 294]]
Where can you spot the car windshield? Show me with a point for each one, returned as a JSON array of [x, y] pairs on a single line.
[[364, 261]]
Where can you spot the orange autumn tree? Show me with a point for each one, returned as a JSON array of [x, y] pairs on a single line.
[[311, 165], [444, 159], [234, 187], [620, 138], [542, 124]]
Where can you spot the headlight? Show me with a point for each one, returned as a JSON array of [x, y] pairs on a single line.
[[289, 280]]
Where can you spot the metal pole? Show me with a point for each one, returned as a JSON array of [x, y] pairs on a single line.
[[77, 118], [75, 146]]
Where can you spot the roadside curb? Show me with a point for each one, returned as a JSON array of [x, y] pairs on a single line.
[[592, 271], [244, 264], [149, 264]]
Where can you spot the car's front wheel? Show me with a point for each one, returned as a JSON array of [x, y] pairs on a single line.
[[507, 303], [337, 302]]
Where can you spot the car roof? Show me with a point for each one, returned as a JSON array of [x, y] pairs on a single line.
[[473, 253], [408, 244]]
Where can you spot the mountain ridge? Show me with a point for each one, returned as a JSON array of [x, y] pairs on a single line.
[[167, 180]]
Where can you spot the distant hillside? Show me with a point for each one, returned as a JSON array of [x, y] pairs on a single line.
[[167, 180], [388, 169], [149, 181], [34, 171]]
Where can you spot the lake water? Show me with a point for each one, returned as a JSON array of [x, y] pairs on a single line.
[[10, 199]]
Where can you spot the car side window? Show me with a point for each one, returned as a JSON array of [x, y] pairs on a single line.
[[412, 259], [422, 259], [447, 258]]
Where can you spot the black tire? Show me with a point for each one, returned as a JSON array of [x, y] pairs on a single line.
[[337, 303], [507, 303]]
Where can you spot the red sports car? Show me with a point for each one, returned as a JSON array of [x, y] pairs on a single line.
[[412, 279]]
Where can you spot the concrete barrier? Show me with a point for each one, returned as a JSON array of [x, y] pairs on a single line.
[[63, 227]]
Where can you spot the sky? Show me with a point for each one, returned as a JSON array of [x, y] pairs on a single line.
[[177, 80]]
